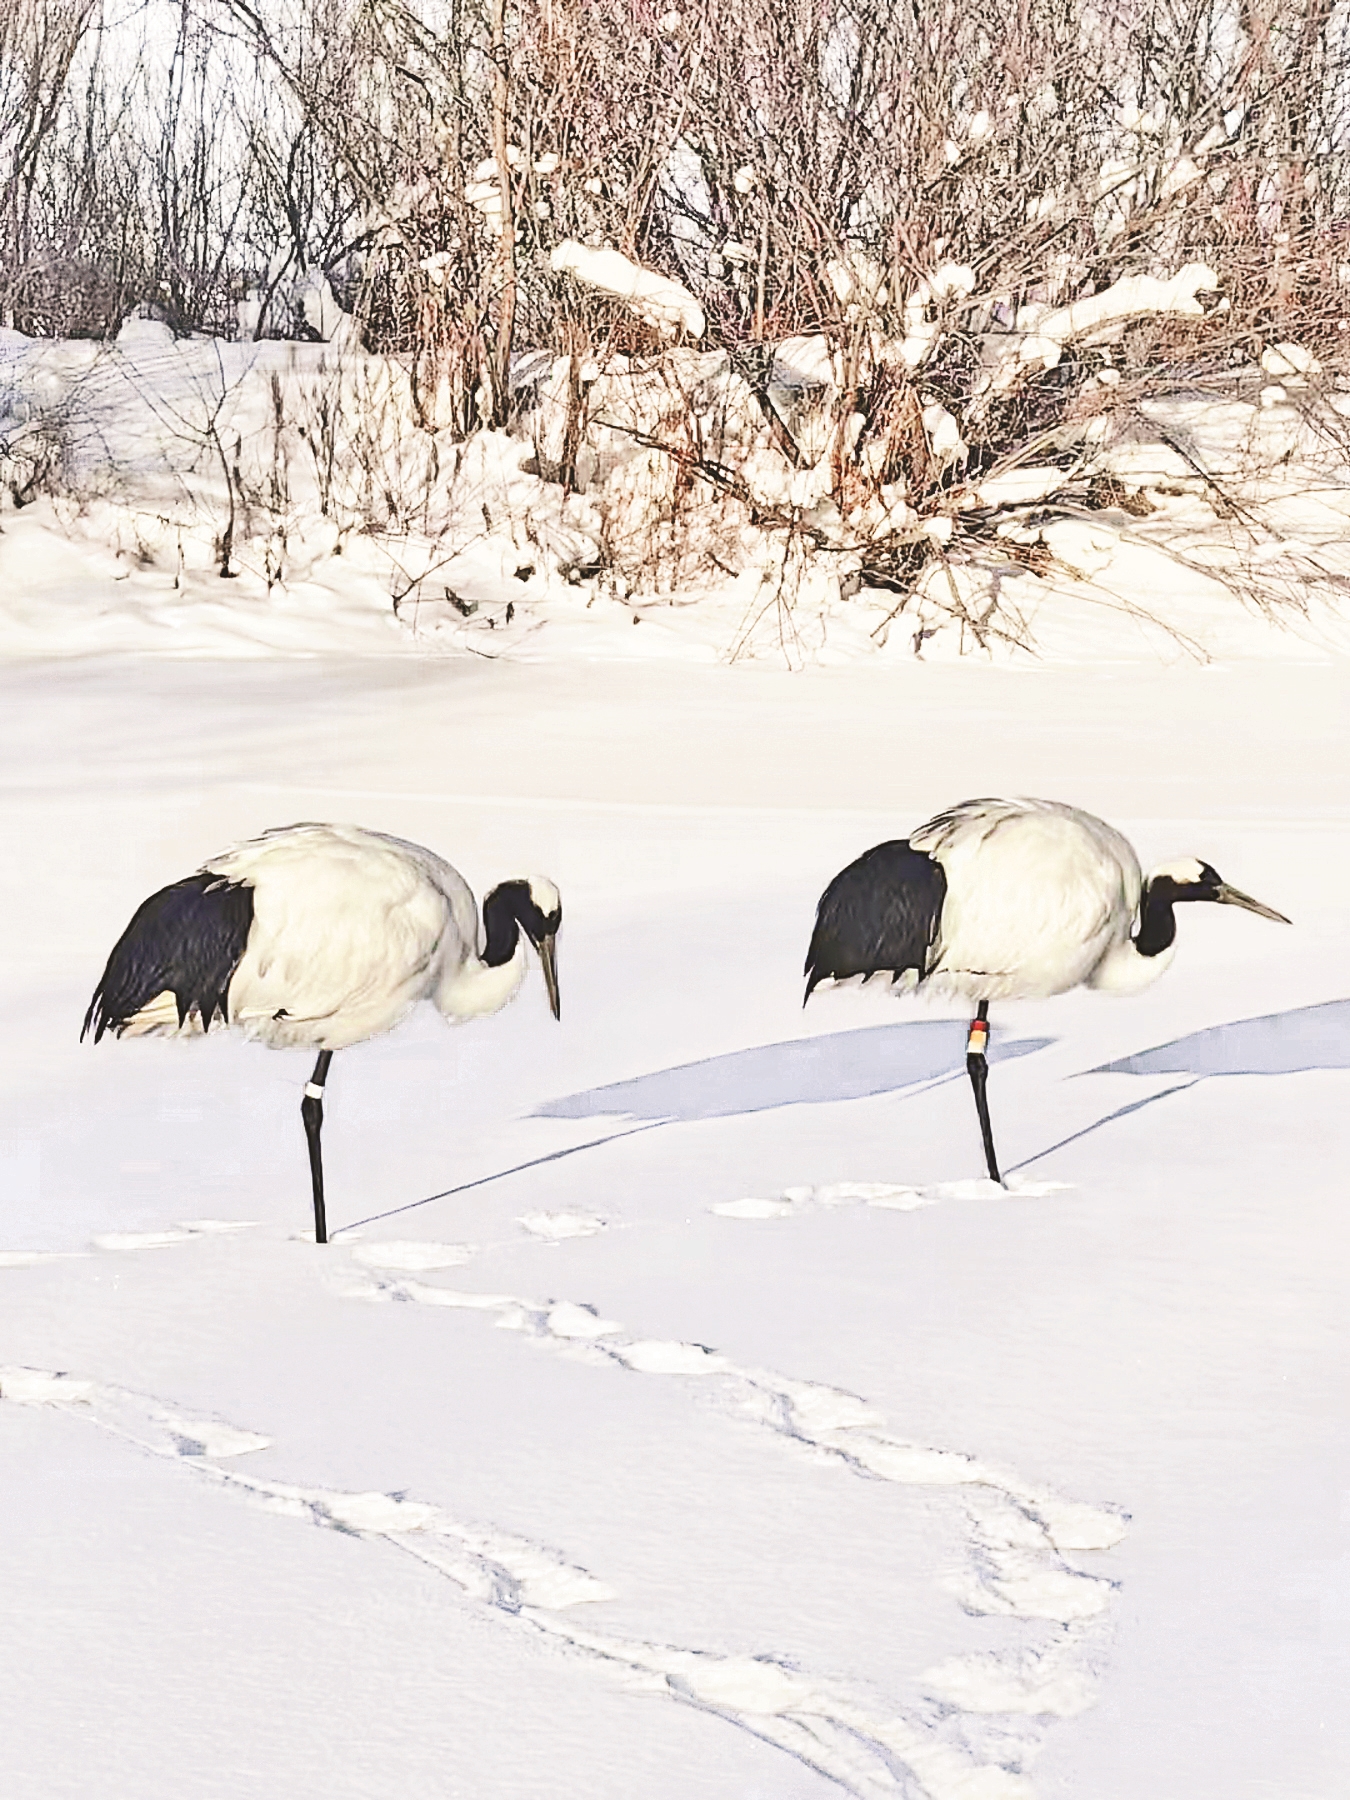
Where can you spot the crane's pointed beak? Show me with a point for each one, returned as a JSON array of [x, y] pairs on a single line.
[[1231, 896], [548, 961]]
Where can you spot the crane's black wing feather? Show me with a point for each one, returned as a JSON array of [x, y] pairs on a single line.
[[187, 939], [879, 914]]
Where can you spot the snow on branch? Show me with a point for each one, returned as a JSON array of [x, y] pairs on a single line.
[[655, 299], [1098, 319], [953, 281]]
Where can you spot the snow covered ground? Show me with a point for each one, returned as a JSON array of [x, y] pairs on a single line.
[[738, 1445], [143, 467]]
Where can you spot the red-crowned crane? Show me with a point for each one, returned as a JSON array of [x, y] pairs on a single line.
[[1007, 900], [321, 936]]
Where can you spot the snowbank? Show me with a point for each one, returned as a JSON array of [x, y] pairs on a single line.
[[193, 496]]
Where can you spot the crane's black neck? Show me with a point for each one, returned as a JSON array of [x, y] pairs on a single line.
[[509, 909], [501, 923], [1157, 921]]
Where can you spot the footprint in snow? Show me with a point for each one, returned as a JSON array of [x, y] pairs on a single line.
[[128, 1240], [412, 1254], [557, 1227], [1020, 1536], [888, 1197], [506, 1570], [30, 1259], [175, 1234], [823, 1723]]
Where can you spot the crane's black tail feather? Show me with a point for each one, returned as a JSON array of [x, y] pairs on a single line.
[[186, 940], [879, 915]]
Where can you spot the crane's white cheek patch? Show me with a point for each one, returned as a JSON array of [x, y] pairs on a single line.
[[1186, 869], [557, 1227], [413, 1255], [883, 1195]]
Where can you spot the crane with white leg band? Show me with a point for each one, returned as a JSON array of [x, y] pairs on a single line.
[[1007, 899], [321, 936]]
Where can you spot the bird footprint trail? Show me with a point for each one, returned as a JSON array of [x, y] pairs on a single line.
[[558, 1227], [504, 1571], [1019, 1534], [174, 1234], [412, 1253], [822, 1723], [888, 1197], [1020, 1531], [181, 1233]]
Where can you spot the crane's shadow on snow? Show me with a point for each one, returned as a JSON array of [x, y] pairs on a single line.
[[844, 1065], [885, 1059], [1283, 1043]]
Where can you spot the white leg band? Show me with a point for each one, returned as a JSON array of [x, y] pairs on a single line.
[[313, 1091]]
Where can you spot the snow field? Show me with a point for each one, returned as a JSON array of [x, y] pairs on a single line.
[[619, 1485], [1016, 1536]]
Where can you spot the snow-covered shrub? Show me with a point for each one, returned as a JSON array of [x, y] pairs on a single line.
[[868, 286]]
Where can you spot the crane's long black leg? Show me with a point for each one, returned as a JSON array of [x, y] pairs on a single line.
[[977, 1067], [311, 1111]]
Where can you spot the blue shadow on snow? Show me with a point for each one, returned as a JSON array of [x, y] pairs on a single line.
[[845, 1065], [880, 1059], [1283, 1043]]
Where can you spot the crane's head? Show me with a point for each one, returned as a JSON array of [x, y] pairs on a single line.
[[530, 904], [1191, 879]]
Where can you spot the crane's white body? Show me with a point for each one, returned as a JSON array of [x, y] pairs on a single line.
[[1040, 898], [1006, 900], [351, 929]]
